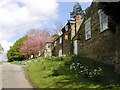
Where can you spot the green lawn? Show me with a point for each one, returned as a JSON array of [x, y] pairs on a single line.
[[71, 72]]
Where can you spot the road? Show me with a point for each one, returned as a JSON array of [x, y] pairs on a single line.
[[13, 76], [0, 77]]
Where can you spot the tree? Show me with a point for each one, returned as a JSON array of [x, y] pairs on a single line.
[[58, 26], [87, 10], [55, 36], [13, 54], [77, 10], [34, 42]]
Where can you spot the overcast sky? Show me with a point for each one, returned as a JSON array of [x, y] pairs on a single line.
[[19, 16]]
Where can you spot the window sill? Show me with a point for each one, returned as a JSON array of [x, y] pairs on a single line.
[[103, 31], [88, 39]]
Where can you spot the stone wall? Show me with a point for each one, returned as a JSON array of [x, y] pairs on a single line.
[[102, 46], [66, 45], [117, 53], [57, 47]]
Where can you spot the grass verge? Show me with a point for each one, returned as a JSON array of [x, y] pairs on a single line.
[[71, 72]]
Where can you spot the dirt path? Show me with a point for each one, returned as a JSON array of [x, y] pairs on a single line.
[[13, 77]]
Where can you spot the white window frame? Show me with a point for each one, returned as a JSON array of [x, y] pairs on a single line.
[[66, 28], [75, 47], [104, 22], [88, 30], [55, 43], [60, 39], [60, 33], [48, 45], [60, 52]]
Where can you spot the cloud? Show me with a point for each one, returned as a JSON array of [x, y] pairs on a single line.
[[19, 16], [24, 13]]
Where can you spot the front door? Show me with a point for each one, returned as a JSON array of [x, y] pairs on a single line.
[[75, 47]]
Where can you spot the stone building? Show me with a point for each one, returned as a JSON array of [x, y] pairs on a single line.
[[57, 46], [66, 39], [98, 37], [63, 45], [48, 49]]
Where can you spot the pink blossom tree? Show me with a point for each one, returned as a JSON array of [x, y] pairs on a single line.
[[34, 42]]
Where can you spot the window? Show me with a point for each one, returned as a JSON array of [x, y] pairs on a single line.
[[103, 21], [49, 45], [87, 29]]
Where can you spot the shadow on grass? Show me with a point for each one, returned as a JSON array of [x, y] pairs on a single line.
[[86, 73]]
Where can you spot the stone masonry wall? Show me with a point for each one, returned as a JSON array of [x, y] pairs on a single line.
[[101, 45]]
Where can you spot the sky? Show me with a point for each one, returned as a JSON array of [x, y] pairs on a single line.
[[17, 17]]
